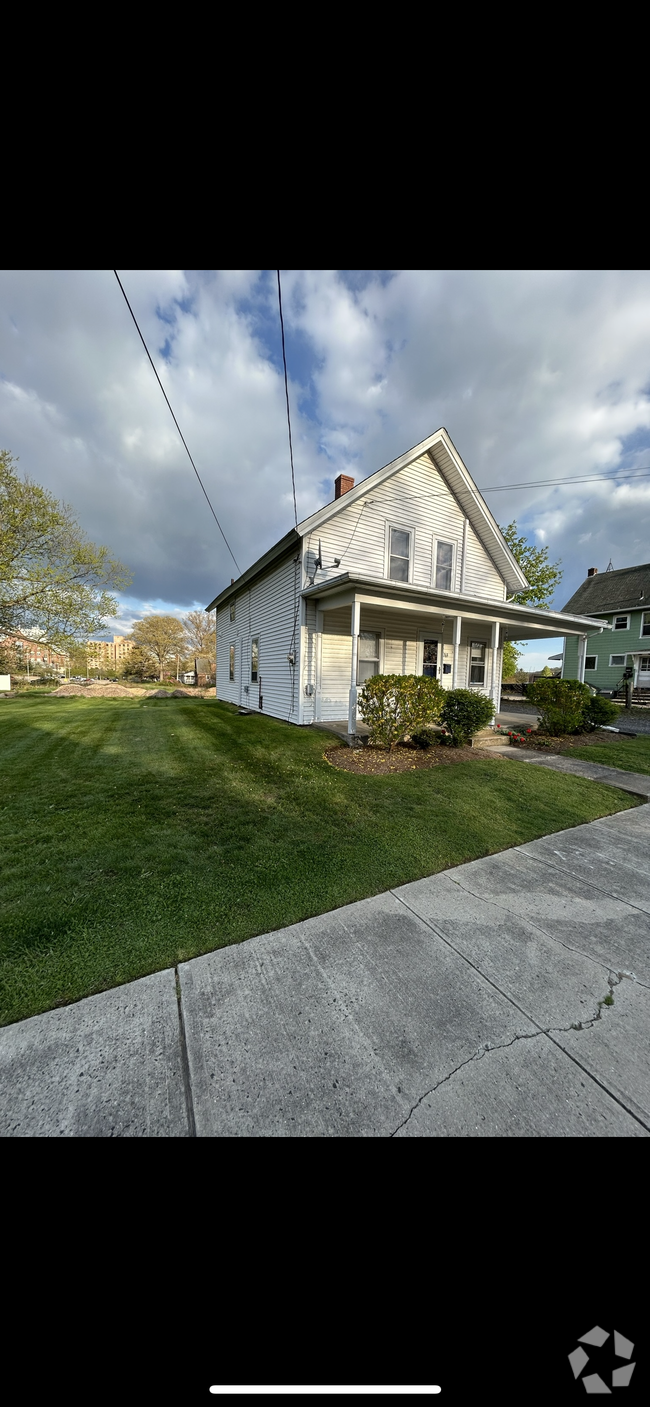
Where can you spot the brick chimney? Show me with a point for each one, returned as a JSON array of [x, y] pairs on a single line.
[[342, 485], [593, 571]]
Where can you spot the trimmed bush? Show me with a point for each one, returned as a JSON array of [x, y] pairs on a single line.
[[464, 713], [395, 706], [600, 710], [562, 704]]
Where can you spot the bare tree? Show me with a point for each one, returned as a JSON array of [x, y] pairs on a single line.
[[201, 633]]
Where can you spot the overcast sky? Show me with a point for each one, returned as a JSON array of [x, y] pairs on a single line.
[[535, 376]]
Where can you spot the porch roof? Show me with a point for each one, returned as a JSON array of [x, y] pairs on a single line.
[[520, 622]]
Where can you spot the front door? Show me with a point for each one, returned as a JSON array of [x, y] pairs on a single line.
[[643, 677], [430, 661]]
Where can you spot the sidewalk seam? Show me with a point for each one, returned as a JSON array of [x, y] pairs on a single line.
[[185, 1063]]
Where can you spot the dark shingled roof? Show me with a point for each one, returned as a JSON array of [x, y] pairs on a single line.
[[626, 590]]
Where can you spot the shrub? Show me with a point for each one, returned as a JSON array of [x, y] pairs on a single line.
[[599, 710], [395, 706], [561, 703], [464, 713]]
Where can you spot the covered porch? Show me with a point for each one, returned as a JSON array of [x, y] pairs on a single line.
[[354, 628]]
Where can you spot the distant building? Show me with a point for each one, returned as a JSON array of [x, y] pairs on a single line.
[[32, 649], [621, 601], [204, 671], [109, 654]]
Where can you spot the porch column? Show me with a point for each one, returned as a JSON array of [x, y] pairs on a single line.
[[495, 683], [318, 663], [582, 652], [354, 630], [458, 621]]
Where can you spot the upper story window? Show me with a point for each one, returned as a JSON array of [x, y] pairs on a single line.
[[232, 610], [399, 554], [645, 623], [621, 622], [444, 572]]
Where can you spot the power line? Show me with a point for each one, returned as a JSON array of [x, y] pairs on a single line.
[[178, 426], [286, 391], [592, 479]]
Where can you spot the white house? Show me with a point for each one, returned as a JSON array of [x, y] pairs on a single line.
[[406, 572]]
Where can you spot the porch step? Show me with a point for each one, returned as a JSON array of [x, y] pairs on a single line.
[[497, 737]]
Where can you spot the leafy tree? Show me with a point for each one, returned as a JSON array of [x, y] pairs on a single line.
[[161, 637], [543, 577], [510, 657], [139, 664], [51, 575], [9, 663]]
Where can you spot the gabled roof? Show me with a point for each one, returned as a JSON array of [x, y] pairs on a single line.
[[624, 590], [446, 459]]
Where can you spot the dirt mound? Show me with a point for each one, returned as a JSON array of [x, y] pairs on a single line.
[[96, 691]]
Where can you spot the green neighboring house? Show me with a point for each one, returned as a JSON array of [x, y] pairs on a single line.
[[622, 600]]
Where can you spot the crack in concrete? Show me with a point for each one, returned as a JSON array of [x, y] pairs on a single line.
[[477, 1055], [488, 1046], [550, 1031]]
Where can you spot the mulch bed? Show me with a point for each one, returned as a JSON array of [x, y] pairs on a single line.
[[378, 761]]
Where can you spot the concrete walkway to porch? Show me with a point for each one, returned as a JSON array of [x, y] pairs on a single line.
[[507, 719]]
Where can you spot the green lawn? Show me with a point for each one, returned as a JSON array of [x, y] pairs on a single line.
[[139, 833], [632, 754]]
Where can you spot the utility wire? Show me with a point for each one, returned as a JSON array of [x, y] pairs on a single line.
[[286, 391], [178, 426], [592, 479]]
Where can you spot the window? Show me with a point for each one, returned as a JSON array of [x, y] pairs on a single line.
[[399, 554], [477, 662], [617, 660], [645, 623], [644, 664], [591, 661], [444, 565], [232, 662], [232, 610], [621, 622], [255, 660], [368, 655]]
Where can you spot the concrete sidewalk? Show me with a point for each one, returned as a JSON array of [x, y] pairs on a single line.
[[635, 783], [467, 1004]]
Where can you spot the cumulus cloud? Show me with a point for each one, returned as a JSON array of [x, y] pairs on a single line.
[[535, 375]]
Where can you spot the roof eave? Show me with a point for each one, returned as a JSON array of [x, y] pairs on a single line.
[[279, 549], [448, 599]]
